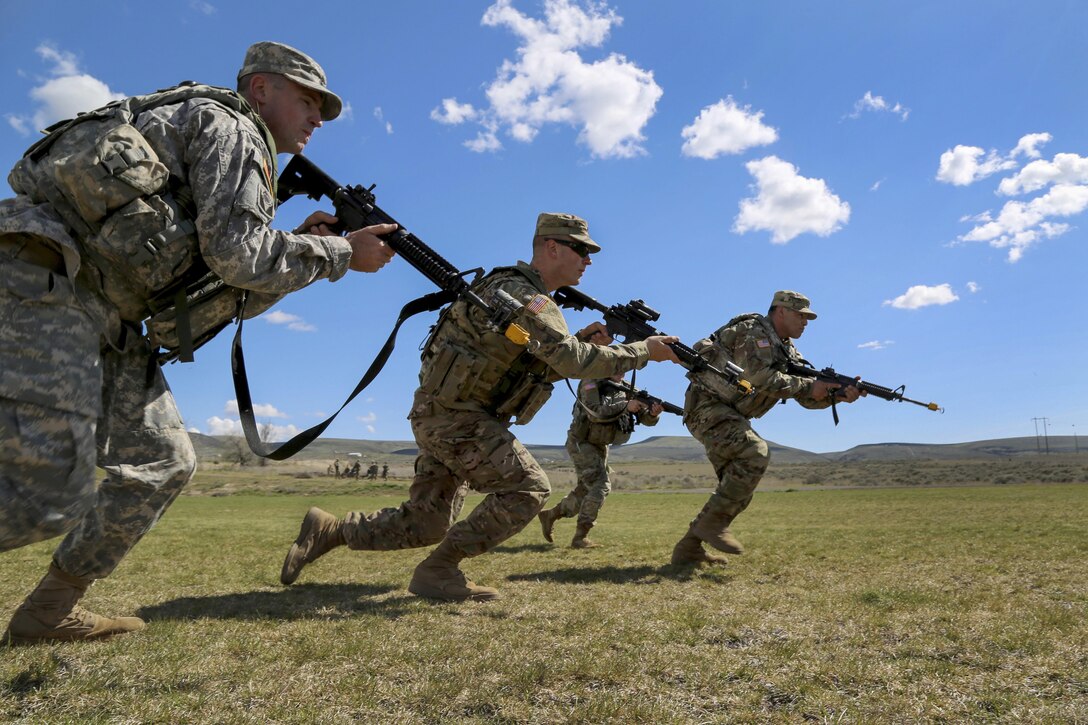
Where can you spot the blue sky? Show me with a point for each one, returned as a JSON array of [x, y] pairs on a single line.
[[918, 169]]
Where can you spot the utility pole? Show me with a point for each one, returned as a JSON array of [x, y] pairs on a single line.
[[1038, 448], [1046, 438], [1076, 448]]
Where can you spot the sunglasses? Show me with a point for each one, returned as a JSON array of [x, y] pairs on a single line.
[[582, 249]]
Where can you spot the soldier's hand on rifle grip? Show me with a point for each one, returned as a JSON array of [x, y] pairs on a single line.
[[820, 389], [318, 223], [660, 350], [657, 409], [851, 393], [596, 334], [368, 253], [635, 406]]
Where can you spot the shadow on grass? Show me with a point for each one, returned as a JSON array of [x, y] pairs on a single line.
[[533, 548], [302, 601], [627, 574]]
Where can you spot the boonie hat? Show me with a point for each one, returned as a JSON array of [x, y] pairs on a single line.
[[552, 225], [793, 301], [270, 57]]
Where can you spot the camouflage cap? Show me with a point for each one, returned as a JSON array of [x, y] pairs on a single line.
[[793, 301], [270, 57], [552, 225]]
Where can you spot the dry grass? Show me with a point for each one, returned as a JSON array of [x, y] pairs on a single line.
[[894, 605]]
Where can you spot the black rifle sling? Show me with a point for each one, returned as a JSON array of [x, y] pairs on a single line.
[[426, 303]]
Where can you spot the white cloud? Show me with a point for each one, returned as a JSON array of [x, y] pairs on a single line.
[[1064, 169], [233, 427], [877, 104], [274, 433], [1027, 145], [381, 119], [787, 204], [202, 7], [1020, 225], [922, 296], [68, 93], [453, 113], [368, 418], [609, 100], [293, 322], [726, 128], [347, 113], [876, 344], [964, 165], [973, 287], [876, 184], [260, 410], [224, 427]]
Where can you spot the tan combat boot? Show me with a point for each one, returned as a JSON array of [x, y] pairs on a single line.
[[548, 517], [320, 533], [437, 577], [51, 614], [690, 552], [580, 541], [711, 527]]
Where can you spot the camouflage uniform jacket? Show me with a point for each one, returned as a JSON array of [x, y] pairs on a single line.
[[219, 158], [751, 342], [602, 417], [469, 366]]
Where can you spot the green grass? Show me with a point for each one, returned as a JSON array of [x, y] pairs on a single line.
[[876, 605]]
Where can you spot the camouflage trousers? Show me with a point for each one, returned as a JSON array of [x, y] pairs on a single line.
[[457, 447], [592, 485], [67, 403], [738, 454]]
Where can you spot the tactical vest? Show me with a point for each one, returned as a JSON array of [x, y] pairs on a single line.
[[725, 340], [468, 366], [132, 220]]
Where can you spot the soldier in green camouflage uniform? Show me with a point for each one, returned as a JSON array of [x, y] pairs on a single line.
[[601, 418], [718, 415], [79, 378], [474, 382]]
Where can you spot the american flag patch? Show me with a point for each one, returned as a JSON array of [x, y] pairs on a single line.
[[763, 343], [589, 386], [536, 304]]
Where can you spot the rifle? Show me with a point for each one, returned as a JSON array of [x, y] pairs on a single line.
[[829, 375], [641, 396], [631, 323], [355, 209]]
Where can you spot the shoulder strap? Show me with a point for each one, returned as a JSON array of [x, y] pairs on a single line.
[[285, 450]]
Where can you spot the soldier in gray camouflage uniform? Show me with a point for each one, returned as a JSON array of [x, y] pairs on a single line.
[[473, 381], [600, 419], [717, 415], [77, 374]]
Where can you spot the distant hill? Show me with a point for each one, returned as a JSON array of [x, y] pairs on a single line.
[[679, 448]]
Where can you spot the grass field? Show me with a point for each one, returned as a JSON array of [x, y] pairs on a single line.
[[958, 604]]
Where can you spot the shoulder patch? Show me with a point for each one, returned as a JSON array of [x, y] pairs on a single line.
[[589, 386], [763, 343], [537, 304]]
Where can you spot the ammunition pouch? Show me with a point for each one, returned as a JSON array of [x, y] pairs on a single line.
[[525, 399], [451, 374]]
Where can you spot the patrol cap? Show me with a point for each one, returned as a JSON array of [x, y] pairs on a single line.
[[793, 301], [270, 57], [552, 225]]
